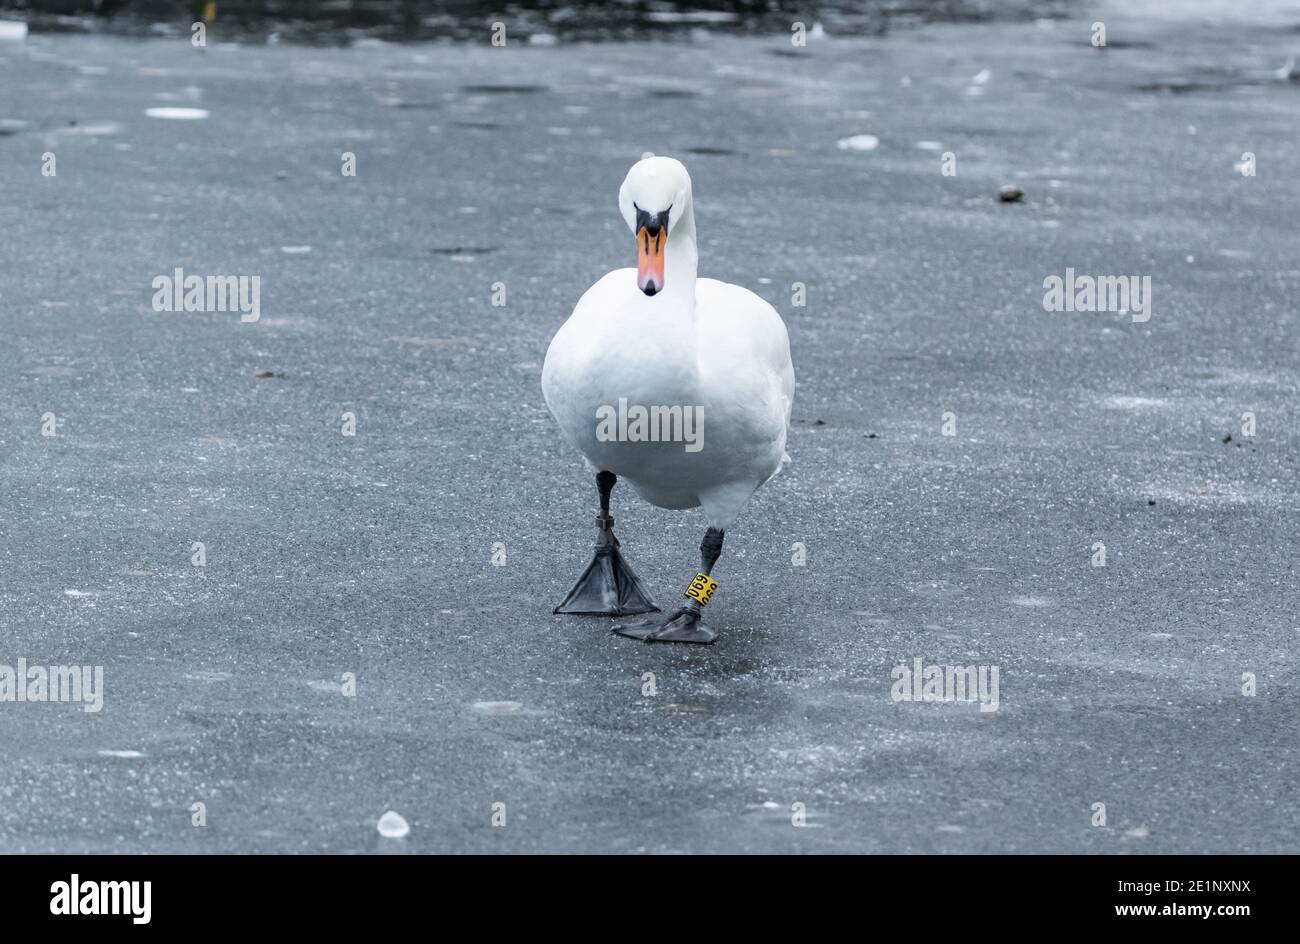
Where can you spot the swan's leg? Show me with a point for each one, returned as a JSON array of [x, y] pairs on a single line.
[[607, 587], [685, 625]]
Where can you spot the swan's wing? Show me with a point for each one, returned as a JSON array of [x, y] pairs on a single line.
[[738, 326], [574, 344], [743, 347]]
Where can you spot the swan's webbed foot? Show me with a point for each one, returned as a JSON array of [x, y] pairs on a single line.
[[684, 625], [608, 587]]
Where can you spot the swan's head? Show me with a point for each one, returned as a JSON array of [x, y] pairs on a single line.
[[654, 195]]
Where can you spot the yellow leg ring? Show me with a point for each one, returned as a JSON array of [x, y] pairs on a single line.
[[701, 589]]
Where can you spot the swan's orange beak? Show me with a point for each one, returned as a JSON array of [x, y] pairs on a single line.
[[651, 241], [650, 260]]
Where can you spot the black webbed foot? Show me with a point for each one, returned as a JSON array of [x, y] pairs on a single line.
[[684, 625], [608, 587]]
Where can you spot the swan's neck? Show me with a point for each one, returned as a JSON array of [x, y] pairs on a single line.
[[680, 261]]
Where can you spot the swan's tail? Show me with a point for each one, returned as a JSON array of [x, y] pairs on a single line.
[[785, 461]]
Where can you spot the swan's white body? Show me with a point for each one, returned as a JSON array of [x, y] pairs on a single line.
[[698, 343]]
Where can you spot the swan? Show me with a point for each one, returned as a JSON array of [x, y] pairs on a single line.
[[682, 386]]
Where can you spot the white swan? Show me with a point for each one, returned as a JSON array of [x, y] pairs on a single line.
[[681, 385]]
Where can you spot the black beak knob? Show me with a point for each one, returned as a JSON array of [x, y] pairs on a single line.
[[651, 222]]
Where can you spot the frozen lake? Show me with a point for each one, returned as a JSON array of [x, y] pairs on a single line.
[[369, 558]]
